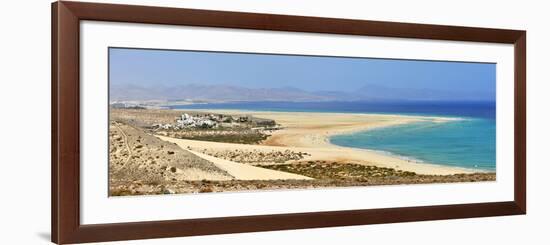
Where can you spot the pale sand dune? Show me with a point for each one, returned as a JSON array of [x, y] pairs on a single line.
[[247, 172], [309, 132]]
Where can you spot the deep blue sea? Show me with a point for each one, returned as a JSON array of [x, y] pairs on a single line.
[[466, 143]]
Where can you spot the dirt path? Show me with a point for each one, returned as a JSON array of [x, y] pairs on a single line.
[[125, 139], [247, 172]]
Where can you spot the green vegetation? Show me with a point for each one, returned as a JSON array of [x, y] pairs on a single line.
[[338, 171], [240, 136]]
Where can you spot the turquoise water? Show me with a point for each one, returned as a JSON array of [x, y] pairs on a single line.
[[468, 143]]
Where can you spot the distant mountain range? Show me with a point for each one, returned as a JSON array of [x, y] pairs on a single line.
[[224, 93]]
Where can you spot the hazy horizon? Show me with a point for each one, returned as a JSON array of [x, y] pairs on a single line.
[[149, 74]]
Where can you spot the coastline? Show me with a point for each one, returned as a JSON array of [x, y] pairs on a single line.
[[310, 132]]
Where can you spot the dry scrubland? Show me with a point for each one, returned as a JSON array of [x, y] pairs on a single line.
[[140, 162], [146, 118], [147, 161]]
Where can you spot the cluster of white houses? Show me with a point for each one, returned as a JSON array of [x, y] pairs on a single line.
[[214, 121]]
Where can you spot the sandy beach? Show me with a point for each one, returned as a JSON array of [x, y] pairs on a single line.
[[258, 150], [295, 122], [309, 133]]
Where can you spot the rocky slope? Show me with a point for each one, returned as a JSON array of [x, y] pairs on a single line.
[[144, 161]]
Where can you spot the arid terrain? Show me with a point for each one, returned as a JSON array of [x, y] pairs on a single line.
[[169, 151]]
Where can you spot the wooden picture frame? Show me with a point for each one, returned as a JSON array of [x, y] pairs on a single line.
[[65, 174]]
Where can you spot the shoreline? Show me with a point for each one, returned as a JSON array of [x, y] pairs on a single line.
[[311, 132]]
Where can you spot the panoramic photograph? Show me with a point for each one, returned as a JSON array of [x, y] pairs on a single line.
[[204, 121]]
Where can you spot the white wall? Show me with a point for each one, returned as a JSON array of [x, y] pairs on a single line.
[[25, 101]]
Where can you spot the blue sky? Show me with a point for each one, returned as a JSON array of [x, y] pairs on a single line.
[[148, 68]]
